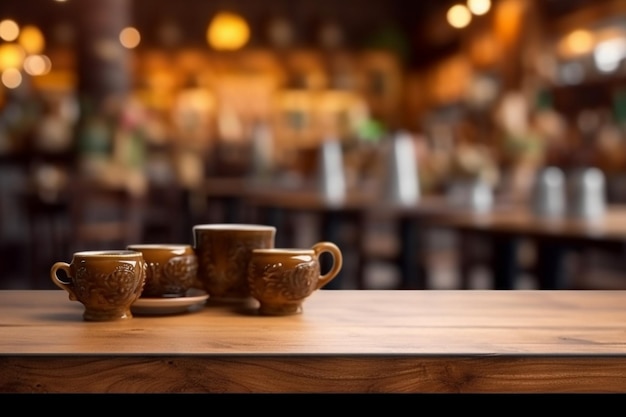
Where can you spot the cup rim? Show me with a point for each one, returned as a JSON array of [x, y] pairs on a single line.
[[245, 227], [144, 246], [299, 251], [108, 253]]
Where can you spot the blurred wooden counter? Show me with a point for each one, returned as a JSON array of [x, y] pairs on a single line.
[[609, 228], [552, 238], [345, 341], [502, 227]]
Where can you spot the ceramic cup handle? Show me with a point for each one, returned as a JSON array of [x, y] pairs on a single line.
[[334, 250], [67, 286]]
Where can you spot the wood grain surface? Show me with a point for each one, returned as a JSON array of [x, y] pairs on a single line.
[[344, 341]]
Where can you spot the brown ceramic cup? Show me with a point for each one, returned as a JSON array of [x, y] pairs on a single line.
[[172, 268], [223, 252], [281, 278], [107, 283]]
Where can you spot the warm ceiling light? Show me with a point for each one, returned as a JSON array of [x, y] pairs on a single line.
[[9, 30], [479, 7], [37, 64], [228, 31], [578, 42], [32, 40], [11, 56], [459, 16], [11, 78], [130, 37]]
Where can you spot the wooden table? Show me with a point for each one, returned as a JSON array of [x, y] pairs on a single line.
[[344, 342]]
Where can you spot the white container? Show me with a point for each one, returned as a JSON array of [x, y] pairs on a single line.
[[403, 185], [332, 181], [549, 193], [481, 197], [262, 151], [588, 193]]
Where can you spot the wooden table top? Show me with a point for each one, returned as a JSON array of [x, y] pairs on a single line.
[[334, 322], [344, 341]]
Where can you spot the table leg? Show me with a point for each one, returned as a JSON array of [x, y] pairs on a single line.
[[466, 261], [411, 262], [550, 266], [504, 262], [361, 254]]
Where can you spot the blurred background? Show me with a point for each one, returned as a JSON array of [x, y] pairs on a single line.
[[153, 97]]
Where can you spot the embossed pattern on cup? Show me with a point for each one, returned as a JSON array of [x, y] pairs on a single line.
[[224, 251], [105, 282], [172, 269], [282, 278]]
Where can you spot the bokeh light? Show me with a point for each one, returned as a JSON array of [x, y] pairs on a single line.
[[9, 30], [11, 56], [130, 37], [228, 31], [459, 16], [31, 39], [11, 78], [37, 65], [479, 7]]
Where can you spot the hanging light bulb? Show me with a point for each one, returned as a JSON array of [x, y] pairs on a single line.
[[9, 30], [11, 56], [130, 37], [479, 7], [459, 16], [228, 32], [32, 39]]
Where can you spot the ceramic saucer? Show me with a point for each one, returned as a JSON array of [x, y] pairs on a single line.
[[194, 299]]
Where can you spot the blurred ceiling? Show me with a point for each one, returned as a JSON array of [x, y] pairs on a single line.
[[362, 22], [354, 15]]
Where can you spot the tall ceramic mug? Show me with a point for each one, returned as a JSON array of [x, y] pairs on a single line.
[[281, 278], [224, 251], [107, 283]]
